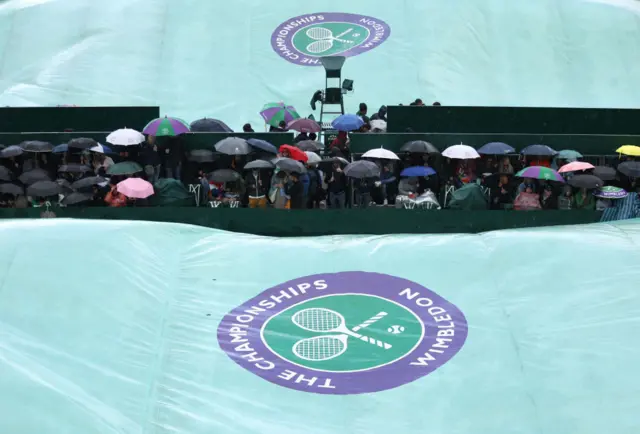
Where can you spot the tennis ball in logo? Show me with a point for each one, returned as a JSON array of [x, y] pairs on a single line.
[[343, 333], [396, 329]]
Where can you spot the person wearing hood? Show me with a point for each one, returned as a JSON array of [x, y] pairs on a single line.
[[256, 190], [381, 114]]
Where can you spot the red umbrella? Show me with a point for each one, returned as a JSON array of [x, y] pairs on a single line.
[[294, 153]]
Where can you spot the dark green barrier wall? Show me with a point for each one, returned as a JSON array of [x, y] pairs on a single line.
[[513, 120], [14, 119], [312, 223], [586, 144]]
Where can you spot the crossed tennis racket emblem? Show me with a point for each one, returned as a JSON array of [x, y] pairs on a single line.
[[323, 39], [326, 347]]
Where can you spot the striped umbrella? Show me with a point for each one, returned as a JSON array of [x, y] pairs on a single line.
[[166, 126], [540, 172], [276, 112]]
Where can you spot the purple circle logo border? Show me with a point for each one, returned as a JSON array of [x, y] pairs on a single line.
[[283, 44], [374, 380]]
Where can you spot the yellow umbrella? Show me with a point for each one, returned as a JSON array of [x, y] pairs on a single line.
[[631, 150]]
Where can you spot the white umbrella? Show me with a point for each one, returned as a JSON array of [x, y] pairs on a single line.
[[460, 152], [313, 158], [98, 148], [378, 124], [125, 137], [380, 153]]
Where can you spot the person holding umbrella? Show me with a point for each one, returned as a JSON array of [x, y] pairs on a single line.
[[256, 189], [337, 186], [295, 192]]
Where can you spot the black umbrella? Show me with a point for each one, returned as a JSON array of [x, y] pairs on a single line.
[[289, 165], [74, 168], [66, 185], [207, 125], [5, 174], [13, 189], [233, 146], [88, 182], [33, 176], [605, 173], [362, 169], [75, 198], [11, 151], [82, 143], [224, 175], [36, 146], [310, 145], [201, 156], [419, 146], [586, 181], [342, 161], [44, 189], [630, 168], [258, 165], [539, 150]]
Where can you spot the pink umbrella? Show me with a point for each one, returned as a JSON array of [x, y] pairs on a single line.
[[576, 166], [304, 125], [135, 188]]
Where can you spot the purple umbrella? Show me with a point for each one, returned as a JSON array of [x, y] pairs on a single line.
[[166, 126], [540, 172], [304, 126], [610, 192]]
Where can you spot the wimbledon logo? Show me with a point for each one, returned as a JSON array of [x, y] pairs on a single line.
[[303, 40], [343, 333]]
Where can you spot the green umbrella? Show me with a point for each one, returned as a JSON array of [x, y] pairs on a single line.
[[166, 126], [569, 155], [124, 168], [276, 112]]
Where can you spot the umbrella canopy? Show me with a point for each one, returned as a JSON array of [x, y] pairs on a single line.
[[310, 145], [125, 137], [11, 151], [611, 192], [44, 189], [274, 113], [101, 149], [586, 181], [76, 198], [538, 150], [207, 125], [166, 126], [380, 153], [258, 165], [201, 156], [233, 146], [304, 125], [605, 173], [290, 165], [36, 146], [576, 166], [224, 175], [378, 124], [5, 174], [294, 153], [630, 168], [631, 150], [82, 143], [496, 148], [419, 147], [136, 188], [460, 152], [33, 176], [362, 169], [88, 182], [540, 172], [263, 145], [61, 149], [347, 122], [124, 168], [75, 168], [312, 157], [66, 186], [332, 160], [569, 155], [418, 171], [13, 189]]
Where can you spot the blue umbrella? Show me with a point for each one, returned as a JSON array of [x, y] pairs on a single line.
[[496, 148], [60, 149], [418, 171], [263, 145], [347, 122], [538, 150]]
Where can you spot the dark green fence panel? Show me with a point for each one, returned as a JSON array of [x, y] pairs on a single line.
[[513, 120], [314, 223], [25, 119]]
